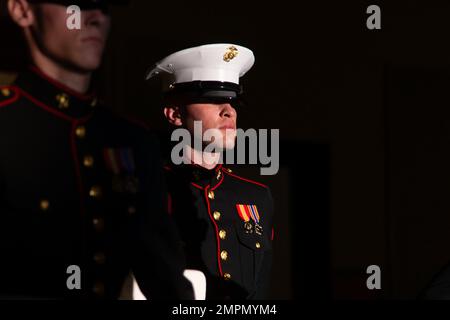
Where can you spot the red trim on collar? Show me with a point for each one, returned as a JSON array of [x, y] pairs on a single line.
[[60, 85], [220, 182], [169, 168], [14, 98], [217, 231], [50, 109], [198, 186], [45, 107], [244, 179], [209, 185]]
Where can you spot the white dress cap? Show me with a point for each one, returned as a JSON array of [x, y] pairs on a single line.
[[213, 62]]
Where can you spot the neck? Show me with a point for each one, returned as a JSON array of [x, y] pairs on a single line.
[[206, 160], [76, 81]]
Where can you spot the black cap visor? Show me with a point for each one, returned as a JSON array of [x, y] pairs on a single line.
[[213, 92], [84, 4]]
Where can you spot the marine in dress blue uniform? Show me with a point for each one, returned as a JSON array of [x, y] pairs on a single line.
[[81, 186], [225, 220]]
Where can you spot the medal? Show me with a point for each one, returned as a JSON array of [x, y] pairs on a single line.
[[247, 212], [245, 216], [258, 229], [255, 217], [248, 227], [120, 162]]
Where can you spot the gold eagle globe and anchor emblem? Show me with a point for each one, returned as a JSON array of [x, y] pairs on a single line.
[[63, 101], [230, 54]]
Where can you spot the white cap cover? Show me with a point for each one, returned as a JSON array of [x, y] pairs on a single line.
[[213, 62]]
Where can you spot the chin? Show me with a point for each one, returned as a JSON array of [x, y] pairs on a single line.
[[90, 61], [229, 145], [89, 66]]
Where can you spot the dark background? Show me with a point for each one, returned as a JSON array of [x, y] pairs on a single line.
[[364, 122]]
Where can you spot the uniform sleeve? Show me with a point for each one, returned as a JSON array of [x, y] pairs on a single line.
[[263, 279], [158, 262]]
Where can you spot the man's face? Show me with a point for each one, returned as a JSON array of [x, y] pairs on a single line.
[[220, 117], [81, 49]]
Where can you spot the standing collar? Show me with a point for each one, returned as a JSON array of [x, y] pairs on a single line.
[[198, 175], [54, 94]]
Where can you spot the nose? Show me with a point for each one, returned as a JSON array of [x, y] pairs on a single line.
[[96, 18], [228, 111]]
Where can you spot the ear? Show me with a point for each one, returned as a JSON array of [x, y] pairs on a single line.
[[21, 12], [173, 115]]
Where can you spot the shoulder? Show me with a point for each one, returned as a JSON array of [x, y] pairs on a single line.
[[249, 186], [115, 120], [120, 130], [243, 180], [126, 127], [252, 192], [8, 95]]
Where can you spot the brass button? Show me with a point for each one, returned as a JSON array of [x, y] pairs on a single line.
[[94, 102], [211, 195], [229, 170], [227, 276], [99, 224], [258, 245], [80, 131], [6, 92], [63, 101], [222, 234], [95, 192], [219, 174], [131, 210], [224, 255], [99, 258], [216, 215], [44, 205], [88, 161], [99, 289]]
